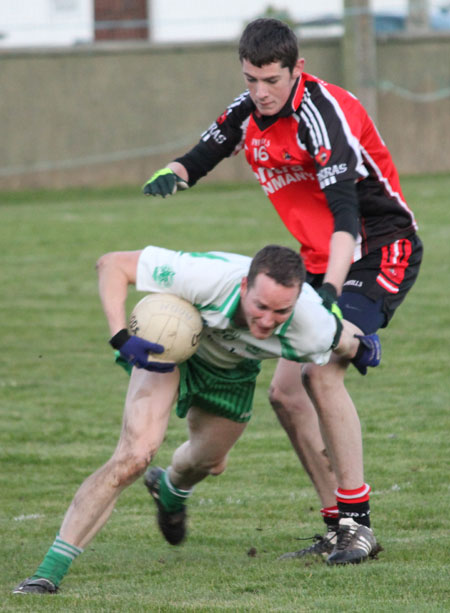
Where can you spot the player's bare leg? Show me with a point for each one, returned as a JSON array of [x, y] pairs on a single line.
[[148, 405], [342, 433], [147, 409], [298, 417], [338, 417], [205, 453], [339, 420]]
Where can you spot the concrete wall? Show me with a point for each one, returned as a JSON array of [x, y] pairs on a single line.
[[415, 128], [113, 113]]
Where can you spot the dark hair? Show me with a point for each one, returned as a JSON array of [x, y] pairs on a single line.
[[283, 265], [265, 41]]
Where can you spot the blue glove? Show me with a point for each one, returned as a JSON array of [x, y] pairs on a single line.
[[369, 352], [135, 350], [328, 293], [164, 183]]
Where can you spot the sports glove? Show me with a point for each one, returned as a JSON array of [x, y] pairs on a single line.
[[369, 352], [164, 183], [328, 293], [135, 350]]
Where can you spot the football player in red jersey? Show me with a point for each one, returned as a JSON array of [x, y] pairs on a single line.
[[321, 161]]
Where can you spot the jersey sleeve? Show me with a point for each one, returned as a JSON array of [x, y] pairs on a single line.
[[343, 203], [224, 137], [199, 278], [330, 135], [313, 330]]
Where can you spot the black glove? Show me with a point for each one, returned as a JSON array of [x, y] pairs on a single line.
[[135, 350], [164, 183], [328, 293], [369, 352]]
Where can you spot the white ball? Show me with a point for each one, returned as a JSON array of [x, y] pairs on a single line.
[[170, 321]]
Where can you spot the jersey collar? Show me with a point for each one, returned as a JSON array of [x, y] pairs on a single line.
[[265, 121]]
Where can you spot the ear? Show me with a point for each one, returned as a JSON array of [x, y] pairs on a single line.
[[298, 68], [244, 285]]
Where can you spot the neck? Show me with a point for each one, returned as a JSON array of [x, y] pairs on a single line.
[[239, 319]]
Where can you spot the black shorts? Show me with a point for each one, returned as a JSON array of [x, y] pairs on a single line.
[[378, 283]]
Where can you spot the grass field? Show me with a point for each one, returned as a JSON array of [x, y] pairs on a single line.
[[61, 401]]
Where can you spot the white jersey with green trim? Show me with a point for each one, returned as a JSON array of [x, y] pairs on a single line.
[[211, 282]]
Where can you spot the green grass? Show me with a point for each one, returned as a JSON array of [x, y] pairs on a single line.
[[61, 402]]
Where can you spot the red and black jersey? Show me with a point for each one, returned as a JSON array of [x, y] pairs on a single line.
[[321, 141]]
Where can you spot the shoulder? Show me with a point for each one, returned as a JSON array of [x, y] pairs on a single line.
[[309, 311], [199, 277], [193, 259], [239, 109], [320, 92]]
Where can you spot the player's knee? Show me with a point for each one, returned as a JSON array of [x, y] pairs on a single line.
[[282, 402], [276, 398], [317, 377], [306, 377], [218, 468], [125, 470]]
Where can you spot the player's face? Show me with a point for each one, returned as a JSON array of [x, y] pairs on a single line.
[[266, 304], [270, 85]]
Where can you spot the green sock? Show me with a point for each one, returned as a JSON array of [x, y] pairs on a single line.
[[57, 561], [172, 498]]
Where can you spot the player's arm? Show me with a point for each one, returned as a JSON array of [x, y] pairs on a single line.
[[219, 141], [314, 333], [339, 164], [362, 350], [343, 203], [167, 181], [179, 170], [183, 172], [116, 271]]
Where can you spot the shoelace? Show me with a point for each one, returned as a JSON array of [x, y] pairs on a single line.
[[344, 537], [317, 537]]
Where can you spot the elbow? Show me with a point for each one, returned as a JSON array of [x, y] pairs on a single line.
[[104, 261]]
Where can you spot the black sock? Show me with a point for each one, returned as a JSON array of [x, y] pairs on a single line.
[[332, 523], [359, 511]]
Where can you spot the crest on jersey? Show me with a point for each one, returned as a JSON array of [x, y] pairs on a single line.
[[163, 275], [322, 156], [222, 117]]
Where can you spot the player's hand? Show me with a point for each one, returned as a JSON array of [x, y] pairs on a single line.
[[369, 352], [135, 350], [328, 293], [164, 183]]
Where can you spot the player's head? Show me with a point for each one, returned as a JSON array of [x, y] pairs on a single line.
[[271, 289], [265, 41], [268, 51], [282, 264]]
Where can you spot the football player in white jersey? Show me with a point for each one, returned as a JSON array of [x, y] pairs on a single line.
[[252, 309]]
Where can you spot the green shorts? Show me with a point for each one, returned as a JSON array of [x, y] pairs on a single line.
[[224, 392]]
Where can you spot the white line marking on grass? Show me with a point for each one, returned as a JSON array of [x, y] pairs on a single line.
[[27, 517]]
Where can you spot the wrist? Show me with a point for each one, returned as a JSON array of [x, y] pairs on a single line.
[[359, 351], [330, 289], [119, 339]]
